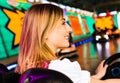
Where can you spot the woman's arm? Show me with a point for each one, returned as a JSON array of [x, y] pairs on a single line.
[[93, 80], [100, 72]]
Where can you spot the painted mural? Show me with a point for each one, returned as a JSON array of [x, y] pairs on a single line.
[[10, 27]]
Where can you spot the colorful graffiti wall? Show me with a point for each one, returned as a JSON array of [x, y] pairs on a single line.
[[10, 27]]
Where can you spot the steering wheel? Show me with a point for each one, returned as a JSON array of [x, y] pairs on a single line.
[[113, 70]]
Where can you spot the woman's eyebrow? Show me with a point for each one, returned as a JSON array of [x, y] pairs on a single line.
[[63, 18]]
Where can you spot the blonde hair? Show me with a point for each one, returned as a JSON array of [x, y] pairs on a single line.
[[39, 21]]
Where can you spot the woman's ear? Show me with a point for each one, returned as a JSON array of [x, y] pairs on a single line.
[[46, 38]]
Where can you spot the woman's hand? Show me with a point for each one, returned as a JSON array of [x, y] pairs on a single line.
[[100, 71]]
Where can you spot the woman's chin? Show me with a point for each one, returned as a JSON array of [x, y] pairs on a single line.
[[67, 45]]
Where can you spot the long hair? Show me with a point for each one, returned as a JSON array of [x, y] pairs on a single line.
[[39, 21]]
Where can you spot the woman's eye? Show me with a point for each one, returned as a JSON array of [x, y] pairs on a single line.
[[63, 23]]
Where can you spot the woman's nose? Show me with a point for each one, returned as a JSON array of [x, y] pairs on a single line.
[[69, 28]]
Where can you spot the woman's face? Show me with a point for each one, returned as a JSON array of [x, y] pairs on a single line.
[[59, 37]]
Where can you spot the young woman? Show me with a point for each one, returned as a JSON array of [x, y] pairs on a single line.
[[45, 31]]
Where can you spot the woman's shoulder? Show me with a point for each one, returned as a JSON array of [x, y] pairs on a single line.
[[71, 69], [66, 63]]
